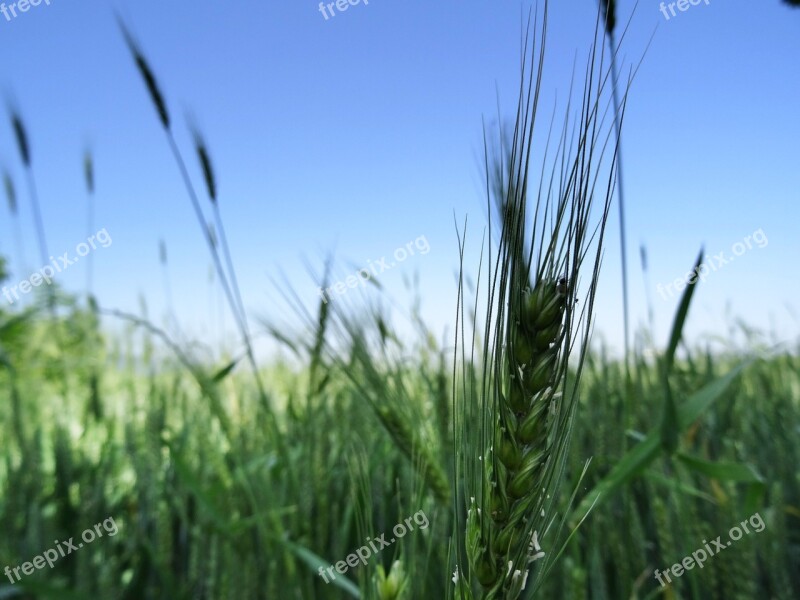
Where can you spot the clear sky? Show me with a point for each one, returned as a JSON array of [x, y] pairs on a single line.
[[359, 133]]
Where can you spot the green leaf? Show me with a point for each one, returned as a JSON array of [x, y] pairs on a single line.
[[680, 317], [638, 457], [726, 471], [314, 562], [669, 419], [224, 371], [699, 402], [723, 471], [634, 461]]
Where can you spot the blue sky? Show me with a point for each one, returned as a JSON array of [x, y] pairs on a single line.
[[360, 133]]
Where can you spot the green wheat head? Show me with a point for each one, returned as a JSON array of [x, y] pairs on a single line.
[[514, 410]]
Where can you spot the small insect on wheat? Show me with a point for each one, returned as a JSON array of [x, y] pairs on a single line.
[[561, 286]]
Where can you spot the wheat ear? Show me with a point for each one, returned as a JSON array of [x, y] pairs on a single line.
[[513, 458]]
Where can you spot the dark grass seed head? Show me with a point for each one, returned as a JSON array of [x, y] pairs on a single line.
[[205, 163], [22, 139], [88, 171], [11, 192], [155, 93], [610, 14], [149, 78]]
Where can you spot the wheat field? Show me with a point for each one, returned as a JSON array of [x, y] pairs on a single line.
[[511, 455]]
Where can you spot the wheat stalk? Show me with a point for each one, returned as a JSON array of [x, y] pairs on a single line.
[[163, 114], [25, 155], [515, 417], [88, 174], [13, 208], [23, 146], [211, 186], [609, 9]]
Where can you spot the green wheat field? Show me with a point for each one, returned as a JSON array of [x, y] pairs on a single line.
[[514, 458]]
